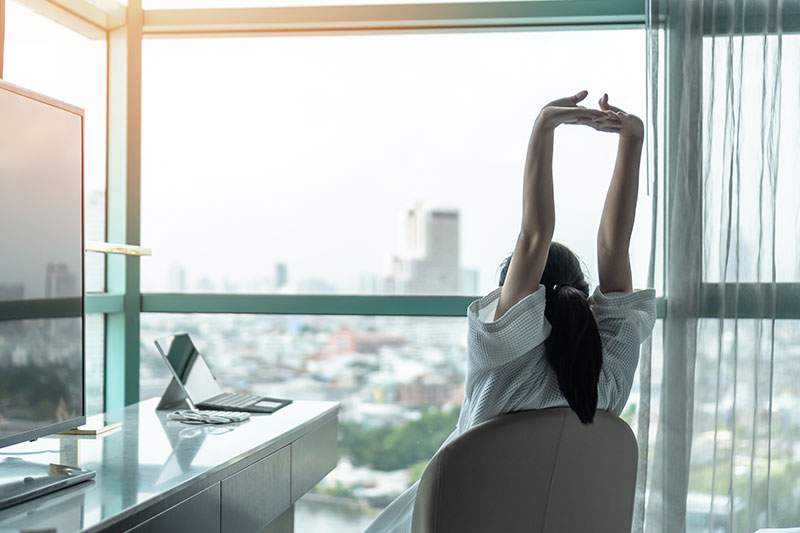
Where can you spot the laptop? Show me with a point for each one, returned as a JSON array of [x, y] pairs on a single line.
[[194, 376]]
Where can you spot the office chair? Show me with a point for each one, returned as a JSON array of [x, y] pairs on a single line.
[[534, 472]]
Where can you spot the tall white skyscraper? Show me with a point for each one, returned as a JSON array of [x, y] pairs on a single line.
[[281, 275], [429, 259]]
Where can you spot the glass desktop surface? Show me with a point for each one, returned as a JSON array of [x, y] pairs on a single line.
[[41, 275], [146, 460]]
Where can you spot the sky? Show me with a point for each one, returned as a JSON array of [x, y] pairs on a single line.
[[308, 150]]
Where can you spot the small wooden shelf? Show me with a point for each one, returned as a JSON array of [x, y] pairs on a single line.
[[111, 248]]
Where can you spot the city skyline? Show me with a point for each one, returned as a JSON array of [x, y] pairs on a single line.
[[426, 261]]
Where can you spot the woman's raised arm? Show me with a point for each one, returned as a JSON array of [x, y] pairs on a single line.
[[538, 213], [619, 211]]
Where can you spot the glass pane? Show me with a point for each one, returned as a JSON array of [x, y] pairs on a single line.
[[95, 349], [632, 408], [48, 58], [751, 198], [746, 426], [396, 158], [400, 381]]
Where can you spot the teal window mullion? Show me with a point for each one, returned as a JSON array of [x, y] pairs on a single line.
[[124, 207], [300, 304]]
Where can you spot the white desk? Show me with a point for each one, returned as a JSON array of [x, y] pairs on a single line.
[[156, 475]]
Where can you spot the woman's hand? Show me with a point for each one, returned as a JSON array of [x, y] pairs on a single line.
[[631, 126], [567, 111]]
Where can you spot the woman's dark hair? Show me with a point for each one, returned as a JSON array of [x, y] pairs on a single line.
[[573, 349]]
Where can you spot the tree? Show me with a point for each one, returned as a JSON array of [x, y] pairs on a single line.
[[401, 446]]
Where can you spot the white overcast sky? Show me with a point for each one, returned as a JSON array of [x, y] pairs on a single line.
[[308, 150]]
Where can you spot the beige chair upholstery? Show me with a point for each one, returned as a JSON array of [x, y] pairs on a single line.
[[533, 472]]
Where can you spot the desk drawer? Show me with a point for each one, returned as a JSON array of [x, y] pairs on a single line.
[[256, 495], [313, 456], [198, 514]]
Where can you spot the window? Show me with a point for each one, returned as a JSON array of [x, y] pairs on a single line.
[[400, 381], [630, 413], [736, 427], [408, 180], [748, 173], [94, 332], [46, 57]]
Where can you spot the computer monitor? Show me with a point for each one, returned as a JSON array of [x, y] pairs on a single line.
[[41, 272]]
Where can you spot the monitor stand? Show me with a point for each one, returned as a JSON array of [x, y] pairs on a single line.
[[173, 397], [21, 480]]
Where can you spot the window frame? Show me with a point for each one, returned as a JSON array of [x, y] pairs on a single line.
[[492, 16]]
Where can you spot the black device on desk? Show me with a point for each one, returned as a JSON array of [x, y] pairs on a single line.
[[194, 376], [23, 480]]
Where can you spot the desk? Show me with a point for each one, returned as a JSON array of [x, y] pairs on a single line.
[[158, 475]]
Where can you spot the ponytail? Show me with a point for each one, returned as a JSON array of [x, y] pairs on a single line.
[[574, 349]]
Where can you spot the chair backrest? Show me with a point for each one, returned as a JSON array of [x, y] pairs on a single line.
[[532, 471]]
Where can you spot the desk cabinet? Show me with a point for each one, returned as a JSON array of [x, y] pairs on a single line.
[[313, 453], [198, 514], [255, 496]]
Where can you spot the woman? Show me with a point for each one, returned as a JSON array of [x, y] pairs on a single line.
[[540, 340]]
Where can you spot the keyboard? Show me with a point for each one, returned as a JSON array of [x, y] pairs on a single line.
[[238, 401], [232, 400]]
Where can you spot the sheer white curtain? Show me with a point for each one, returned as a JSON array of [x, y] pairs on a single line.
[[719, 414]]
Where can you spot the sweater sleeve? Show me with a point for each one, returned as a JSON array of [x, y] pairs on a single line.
[[624, 321], [492, 343]]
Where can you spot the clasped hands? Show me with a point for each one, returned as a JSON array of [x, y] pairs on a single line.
[[607, 118]]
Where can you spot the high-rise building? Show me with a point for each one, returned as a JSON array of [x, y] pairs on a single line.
[[281, 275], [441, 237], [430, 255], [413, 238]]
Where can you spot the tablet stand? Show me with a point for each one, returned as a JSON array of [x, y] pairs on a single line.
[[173, 397]]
